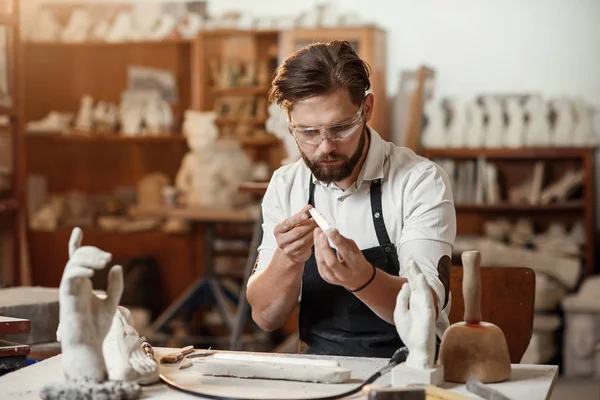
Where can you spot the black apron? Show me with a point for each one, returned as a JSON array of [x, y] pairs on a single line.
[[333, 321]]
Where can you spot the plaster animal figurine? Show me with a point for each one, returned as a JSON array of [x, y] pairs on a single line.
[[494, 129], [459, 123], [85, 320], [474, 137], [123, 352], [434, 134], [277, 124], [538, 129], [515, 130]]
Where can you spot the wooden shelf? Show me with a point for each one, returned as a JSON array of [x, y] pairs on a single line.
[[259, 141], [502, 208], [524, 153], [87, 43], [107, 138], [11, 349], [14, 326], [233, 32], [8, 205], [237, 120], [240, 90]]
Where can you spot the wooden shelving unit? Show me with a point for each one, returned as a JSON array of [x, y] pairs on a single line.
[[513, 166], [14, 206]]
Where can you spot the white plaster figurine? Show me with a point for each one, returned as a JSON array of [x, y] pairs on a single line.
[[515, 130], [459, 123], [538, 129], [414, 317], [277, 124], [494, 129], [85, 320], [434, 135]]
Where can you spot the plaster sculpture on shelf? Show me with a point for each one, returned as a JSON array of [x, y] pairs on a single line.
[[459, 123], [474, 137], [78, 209], [583, 132], [167, 27], [100, 30], [106, 117], [261, 172], [560, 190], [414, 317], [548, 293], [564, 122], [277, 124], [578, 233], [494, 128], [85, 115], [582, 330], [53, 122], [522, 233], [123, 353], [529, 192], [157, 116], [542, 346], [85, 320], [351, 19], [497, 229], [557, 241], [47, 217], [46, 28], [145, 16], [434, 135], [78, 27], [211, 173], [190, 25], [538, 132], [515, 129], [121, 28]]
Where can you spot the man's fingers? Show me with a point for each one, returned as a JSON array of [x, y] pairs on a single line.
[[89, 256], [75, 240], [322, 245], [300, 244], [114, 290], [76, 271], [295, 234], [346, 248], [288, 224]]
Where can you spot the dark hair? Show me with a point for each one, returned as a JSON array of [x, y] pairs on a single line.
[[318, 69]]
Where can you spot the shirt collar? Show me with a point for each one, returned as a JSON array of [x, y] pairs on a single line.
[[372, 168]]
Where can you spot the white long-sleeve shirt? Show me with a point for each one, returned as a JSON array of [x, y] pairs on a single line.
[[418, 209]]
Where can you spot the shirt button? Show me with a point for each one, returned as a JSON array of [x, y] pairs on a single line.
[[377, 215], [341, 199], [376, 180], [388, 249]]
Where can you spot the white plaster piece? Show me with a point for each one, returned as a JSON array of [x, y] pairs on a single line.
[[582, 335], [564, 122], [320, 220], [583, 131], [47, 28], [414, 317], [586, 300], [271, 370], [167, 25], [459, 123], [495, 254], [538, 129], [561, 189], [53, 122], [85, 117], [515, 130], [548, 293], [80, 23], [474, 137], [100, 30], [494, 129], [434, 135], [542, 346], [403, 376], [85, 319], [123, 353], [191, 25], [121, 29], [144, 18], [276, 359]]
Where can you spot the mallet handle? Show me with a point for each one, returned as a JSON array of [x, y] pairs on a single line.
[[471, 261]]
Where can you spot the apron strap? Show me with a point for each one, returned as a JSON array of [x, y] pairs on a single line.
[[311, 191], [377, 214]]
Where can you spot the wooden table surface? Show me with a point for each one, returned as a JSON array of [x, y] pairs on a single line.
[[531, 382]]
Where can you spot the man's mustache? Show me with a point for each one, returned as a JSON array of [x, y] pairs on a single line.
[[330, 157]]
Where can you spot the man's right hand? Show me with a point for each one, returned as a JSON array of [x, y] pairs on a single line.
[[294, 235]]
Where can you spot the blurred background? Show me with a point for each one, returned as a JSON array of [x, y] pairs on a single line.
[[147, 125]]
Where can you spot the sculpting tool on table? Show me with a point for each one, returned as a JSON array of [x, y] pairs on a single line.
[[485, 391]]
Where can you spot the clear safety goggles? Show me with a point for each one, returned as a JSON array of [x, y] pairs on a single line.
[[314, 135]]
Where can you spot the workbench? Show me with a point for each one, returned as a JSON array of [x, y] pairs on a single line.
[[531, 382]]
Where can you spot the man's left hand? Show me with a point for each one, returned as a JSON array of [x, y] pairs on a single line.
[[351, 270]]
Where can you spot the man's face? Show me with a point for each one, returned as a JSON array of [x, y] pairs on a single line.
[[332, 160]]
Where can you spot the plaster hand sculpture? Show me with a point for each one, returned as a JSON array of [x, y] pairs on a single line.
[[515, 131], [564, 123], [414, 317], [85, 320], [125, 358], [474, 137], [538, 128], [459, 123], [85, 116], [434, 134], [277, 124], [494, 129]]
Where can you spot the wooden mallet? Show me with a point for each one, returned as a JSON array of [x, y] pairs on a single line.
[[473, 349]]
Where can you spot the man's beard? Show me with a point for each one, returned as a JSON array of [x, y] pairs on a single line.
[[329, 174]]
